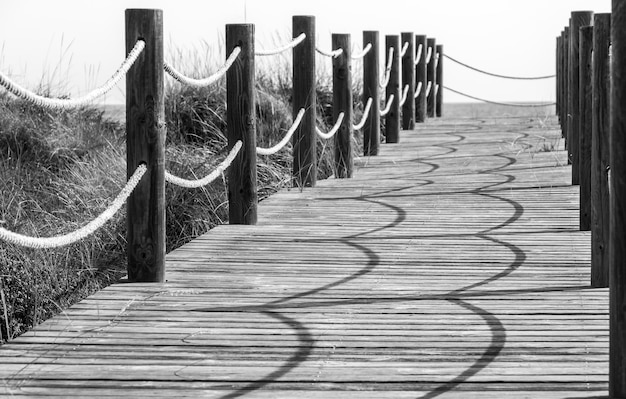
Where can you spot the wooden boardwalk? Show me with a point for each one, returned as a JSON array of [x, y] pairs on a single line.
[[451, 266]]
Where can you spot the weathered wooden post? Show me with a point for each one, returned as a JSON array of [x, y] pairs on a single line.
[[579, 19], [241, 120], [342, 102], [304, 96], [145, 144], [600, 151], [420, 77], [431, 73], [439, 91], [565, 117], [371, 79], [392, 119], [408, 79], [558, 76], [584, 130], [617, 184]]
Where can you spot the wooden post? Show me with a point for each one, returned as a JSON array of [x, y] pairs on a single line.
[[579, 19], [617, 249], [439, 92], [371, 79], [408, 79], [241, 120], [145, 143], [304, 96], [342, 102], [600, 151], [420, 76], [565, 117], [584, 130], [431, 73], [392, 119], [558, 76]]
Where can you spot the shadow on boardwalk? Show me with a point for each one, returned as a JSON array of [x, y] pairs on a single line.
[[450, 266]]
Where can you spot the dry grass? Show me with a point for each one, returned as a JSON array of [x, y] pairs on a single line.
[[58, 170]]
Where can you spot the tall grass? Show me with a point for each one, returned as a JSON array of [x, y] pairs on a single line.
[[59, 169]]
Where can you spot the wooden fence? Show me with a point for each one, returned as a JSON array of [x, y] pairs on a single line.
[[591, 104], [146, 129]]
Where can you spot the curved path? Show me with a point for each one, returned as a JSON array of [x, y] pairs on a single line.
[[451, 266]]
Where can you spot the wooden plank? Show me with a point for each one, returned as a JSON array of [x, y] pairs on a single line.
[[452, 265]]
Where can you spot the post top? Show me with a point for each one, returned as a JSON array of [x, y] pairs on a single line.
[[158, 10]]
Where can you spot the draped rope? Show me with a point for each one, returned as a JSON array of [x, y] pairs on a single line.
[[362, 54], [206, 81], [429, 55], [273, 150], [366, 113], [388, 107], [211, 176], [428, 88], [405, 93], [62, 103], [387, 76], [285, 47], [405, 47], [418, 90], [500, 103], [419, 54], [88, 229], [332, 131], [334, 53], [498, 75]]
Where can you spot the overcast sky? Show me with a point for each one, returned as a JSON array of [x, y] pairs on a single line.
[[81, 43]]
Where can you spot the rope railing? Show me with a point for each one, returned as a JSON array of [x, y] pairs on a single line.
[[429, 86], [334, 129], [499, 103], [429, 55], [282, 48], [240, 106], [273, 150], [205, 81], [88, 229], [178, 181], [387, 75], [366, 113], [418, 55], [405, 94], [63, 103], [498, 75], [333, 53], [387, 108], [363, 52], [405, 47], [418, 90]]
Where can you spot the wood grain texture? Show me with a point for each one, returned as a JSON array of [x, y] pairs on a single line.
[[145, 143], [241, 125], [431, 76], [578, 20], [439, 93], [451, 266], [557, 57], [342, 102], [617, 187], [565, 117], [600, 217], [584, 131], [304, 96], [392, 119], [420, 76], [408, 78], [371, 81]]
